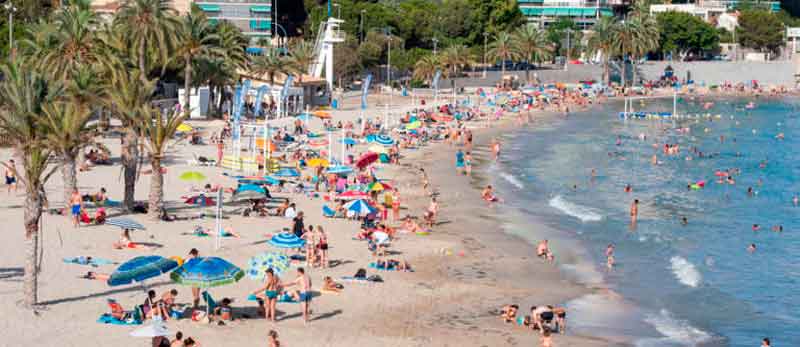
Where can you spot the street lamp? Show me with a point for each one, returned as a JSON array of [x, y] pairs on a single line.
[[435, 42], [11, 9], [485, 46], [361, 27]]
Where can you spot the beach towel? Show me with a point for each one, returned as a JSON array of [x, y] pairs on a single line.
[[106, 318], [95, 262], [352, 279], [285, 298]]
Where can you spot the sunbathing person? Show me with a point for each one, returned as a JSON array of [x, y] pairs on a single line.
[[509, 313], [223, 310], [125, 240], [330, 286], [200, 231], [96, 276], [393, 264]]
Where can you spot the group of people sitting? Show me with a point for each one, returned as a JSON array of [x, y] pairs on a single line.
[[94, 158], [543, 318]]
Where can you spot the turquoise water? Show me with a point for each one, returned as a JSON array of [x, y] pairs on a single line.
[[693, 284]]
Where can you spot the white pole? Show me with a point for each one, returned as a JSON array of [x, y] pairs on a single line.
[[674, 103], [330, 146], [341, 159]]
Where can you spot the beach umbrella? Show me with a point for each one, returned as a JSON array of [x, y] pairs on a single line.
[[348, 141], [339, 170], [352, 195], [322, 114], [317, 162], [287, 172], [287, 240], [140, 269], [200, 200], [154, 329], [378, 187], [359, 207], [125, 223], [258, 264], [378, 149], [192, 176], [383, 140], [413, 125], [367, 159], [250, 188], [259, 181], [184, 128], [206, 272]]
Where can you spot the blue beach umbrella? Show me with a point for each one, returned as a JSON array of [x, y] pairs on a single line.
[[258, 264], [348, 141], [287, 240], [339, 170], [140, 269], [287, 172], [206, 272], [250, 188], [360, 207], [125, 223]]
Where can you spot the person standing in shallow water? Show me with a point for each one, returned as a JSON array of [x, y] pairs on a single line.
[[634, 212]]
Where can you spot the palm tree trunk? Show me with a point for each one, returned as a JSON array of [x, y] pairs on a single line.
[[187, 83], [156, 198], [142, 64], [528, 74], [606, 71], [32, 214], [69, 176], [130, 157], [633, 67]]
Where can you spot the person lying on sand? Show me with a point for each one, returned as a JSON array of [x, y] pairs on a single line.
[[509, 313], [96, 276], [393, 264], [330, 286], [200, 231]]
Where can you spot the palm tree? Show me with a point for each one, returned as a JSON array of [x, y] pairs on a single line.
[[157, 130], [301, 56], [601, 41], [224, 69], [196, 39], [425, 68], [645, 38], [502, 48], [270, 63], [74, 43], [150, 26], [624, 34], [531, 45], [455, 58], [68, 133], [23, 95]]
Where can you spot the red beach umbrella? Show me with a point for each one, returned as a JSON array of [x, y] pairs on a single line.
[[367, 159]]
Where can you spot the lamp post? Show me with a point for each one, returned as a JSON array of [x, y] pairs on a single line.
[[11, 9], [361, 27], [435, 42], [485, 46], [566, 60]]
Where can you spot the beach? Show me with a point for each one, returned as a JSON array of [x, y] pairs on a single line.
[[464, 272]]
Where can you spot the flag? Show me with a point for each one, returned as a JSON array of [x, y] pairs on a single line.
[[435, 83], [261, 91], [365, 91], [286, 85]]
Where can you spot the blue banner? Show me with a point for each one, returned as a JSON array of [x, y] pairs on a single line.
[[241, 96], [365, 91], [263, 89], [286, 85], [435, 83]]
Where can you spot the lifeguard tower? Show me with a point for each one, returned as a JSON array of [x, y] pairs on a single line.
[[329, 33]]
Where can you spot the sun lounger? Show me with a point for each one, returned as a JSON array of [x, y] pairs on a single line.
[[328, 212], [212, 304]]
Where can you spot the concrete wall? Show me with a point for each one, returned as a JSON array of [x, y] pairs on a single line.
[[716, 72]]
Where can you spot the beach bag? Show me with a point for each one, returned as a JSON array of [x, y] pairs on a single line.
[[361, 273]]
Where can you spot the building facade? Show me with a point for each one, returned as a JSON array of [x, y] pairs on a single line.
[[253, 17], [584, 13]]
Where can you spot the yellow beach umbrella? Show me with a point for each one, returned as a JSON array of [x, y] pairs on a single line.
[[184, 127], [317, 162]]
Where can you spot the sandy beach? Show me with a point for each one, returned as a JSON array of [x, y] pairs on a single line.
[[464, 272]]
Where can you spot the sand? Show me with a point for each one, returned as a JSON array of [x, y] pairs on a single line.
[[465, 271]]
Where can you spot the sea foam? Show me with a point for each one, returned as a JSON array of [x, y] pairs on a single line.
[[511, 179], [685, 271], [583, 213], [676, 332]]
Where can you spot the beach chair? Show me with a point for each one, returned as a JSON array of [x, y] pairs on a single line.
[[212, 304], [328, 212]]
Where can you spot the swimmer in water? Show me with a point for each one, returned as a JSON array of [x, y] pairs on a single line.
[[756, 227], [628, 188], [634, 211], [795, 200], [619, 140], [777, 228], [751, 248], [610, 262], [750, 191], [610, 250], [654, 160], [684, 221]]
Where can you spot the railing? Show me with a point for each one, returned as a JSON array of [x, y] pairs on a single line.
[[577, 4], [317, 48], [733, 3]]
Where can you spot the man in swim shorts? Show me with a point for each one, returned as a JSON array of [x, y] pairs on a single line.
[[11, 176], [75, 202], [304, 282]]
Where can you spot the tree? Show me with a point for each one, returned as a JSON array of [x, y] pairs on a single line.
[[73, 43], [531, 45], [270, 63], [157, 130], [682, 33], [601, 41], [426, 67], [494, 17], [150, 26], [23, 94], [645, 39], [502, 48], [301, 56], [760, 30], [455, 58], [195, 39]]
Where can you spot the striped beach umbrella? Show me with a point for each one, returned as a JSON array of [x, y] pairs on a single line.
[[287, 240], [125, 223], [200, 200], [383, 140], [140, 269], [359, 207], [258, 264], [207, 272]]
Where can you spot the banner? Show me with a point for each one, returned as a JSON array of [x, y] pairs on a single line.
[[436, 78], [241, 97], [286, 85], [263, 89], [365, 91]]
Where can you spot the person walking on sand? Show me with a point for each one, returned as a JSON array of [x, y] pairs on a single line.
[[76, 202], [194, 253], [304, 282], [495, 149], [459, 162], [272, 338], [468, 164], [11, 176]]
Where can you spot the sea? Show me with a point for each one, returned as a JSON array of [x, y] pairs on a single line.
[[674, 283]]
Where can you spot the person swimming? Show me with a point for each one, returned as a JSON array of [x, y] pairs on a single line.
[[628, 188], [751, 248]]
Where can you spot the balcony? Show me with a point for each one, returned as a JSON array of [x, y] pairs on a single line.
[[732, 4], [573, 4]]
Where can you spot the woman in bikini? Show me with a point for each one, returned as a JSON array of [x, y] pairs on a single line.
[[269, 293]]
